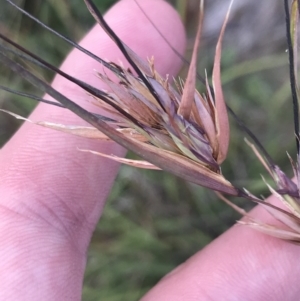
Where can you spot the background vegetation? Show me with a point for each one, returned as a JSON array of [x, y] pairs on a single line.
[[154, 221]]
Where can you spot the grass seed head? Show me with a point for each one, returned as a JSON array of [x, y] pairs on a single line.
[[179, 125], [179, 130]]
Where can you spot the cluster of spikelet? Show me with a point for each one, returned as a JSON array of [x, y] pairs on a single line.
[[172, 127]]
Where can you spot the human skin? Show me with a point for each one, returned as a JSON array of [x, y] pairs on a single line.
[[52, 195]]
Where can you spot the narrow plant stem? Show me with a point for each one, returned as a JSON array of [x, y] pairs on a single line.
[[292, 74]]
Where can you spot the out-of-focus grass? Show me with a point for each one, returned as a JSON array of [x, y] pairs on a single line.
[[154, 221]]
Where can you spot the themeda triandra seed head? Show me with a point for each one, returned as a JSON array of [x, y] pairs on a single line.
[[181, 130], [178, 130]]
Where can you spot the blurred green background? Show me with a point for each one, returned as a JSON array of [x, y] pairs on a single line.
[[154, 221]]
